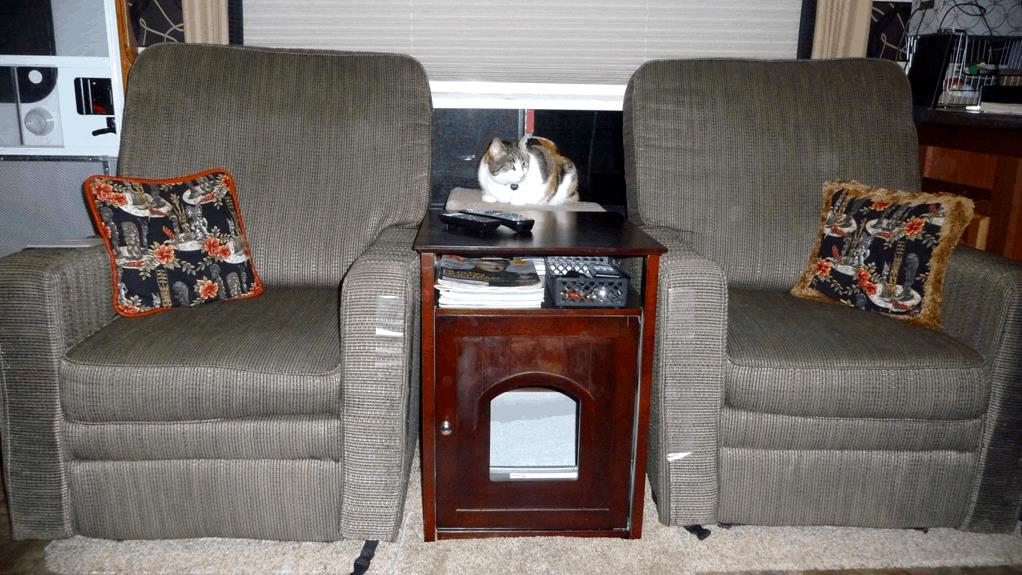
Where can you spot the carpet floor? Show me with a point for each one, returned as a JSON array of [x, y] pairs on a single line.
[[662, 549]]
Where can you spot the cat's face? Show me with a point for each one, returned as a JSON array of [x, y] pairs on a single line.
[[507, 163]]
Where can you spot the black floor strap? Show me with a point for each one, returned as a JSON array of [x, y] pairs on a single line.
[[698, 530], [365, 558]]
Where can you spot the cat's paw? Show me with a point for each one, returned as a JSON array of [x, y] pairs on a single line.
[[489, 199]]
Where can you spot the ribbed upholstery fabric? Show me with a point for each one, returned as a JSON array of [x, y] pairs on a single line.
[[796, 357], [276, 354], [380, 379], [265, 499], [781, 411], [868, 488], [982, 292], [279, 437], [688, 383], [327, 148], [772, 431], [43, 311], [288, 416], [734, 153], [983, 306], [774, 328]]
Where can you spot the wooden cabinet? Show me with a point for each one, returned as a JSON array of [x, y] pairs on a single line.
[[569, 387], [592, 361], [978, 156]]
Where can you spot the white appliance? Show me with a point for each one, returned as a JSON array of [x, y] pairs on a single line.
[[68, 106], [66, 102], [38, 106], [60, 111]]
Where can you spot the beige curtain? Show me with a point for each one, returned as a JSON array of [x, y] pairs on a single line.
[[205, 21], [842, 28]]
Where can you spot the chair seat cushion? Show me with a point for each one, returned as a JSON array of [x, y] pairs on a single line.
[[278, 354], [796, 357]]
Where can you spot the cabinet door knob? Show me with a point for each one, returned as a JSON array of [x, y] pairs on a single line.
[[445, 427]]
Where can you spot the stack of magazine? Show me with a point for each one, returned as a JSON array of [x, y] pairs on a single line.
[[490, 282]]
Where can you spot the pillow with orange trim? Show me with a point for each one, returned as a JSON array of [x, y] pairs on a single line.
[[173, 243], [884, 251]]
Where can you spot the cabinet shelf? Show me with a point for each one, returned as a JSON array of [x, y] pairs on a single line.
[[542, 312], [633, 307]]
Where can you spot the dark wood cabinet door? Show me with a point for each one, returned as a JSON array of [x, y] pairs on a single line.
[[592, 360]]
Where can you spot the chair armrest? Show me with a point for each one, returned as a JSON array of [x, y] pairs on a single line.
[[50, 299], [380, 385], [982, 304], [982, 307], [688, 382]]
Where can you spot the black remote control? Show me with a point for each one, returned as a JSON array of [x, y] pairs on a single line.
[[469, 222], [516, 222]]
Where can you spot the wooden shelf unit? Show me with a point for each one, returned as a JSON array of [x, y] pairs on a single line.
[[601, 358]]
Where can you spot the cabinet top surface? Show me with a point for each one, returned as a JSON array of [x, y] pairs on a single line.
[[555, 233]]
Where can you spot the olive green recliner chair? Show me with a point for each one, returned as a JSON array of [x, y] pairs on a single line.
[[773, 410], [290, 416]]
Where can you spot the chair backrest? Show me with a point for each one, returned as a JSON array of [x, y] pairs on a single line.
[[327, 148], [734, 153]]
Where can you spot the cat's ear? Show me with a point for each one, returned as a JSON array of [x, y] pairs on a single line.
[[496, 148]]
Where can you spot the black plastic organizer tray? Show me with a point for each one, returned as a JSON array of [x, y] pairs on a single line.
[[572, 283]]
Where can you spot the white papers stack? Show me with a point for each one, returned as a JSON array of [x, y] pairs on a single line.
[[68, 243], [1001, 108], [492, 283]]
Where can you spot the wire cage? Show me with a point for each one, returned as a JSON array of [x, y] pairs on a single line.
[[950, 69]]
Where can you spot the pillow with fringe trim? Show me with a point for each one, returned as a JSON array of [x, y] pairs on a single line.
[[173, 243], [884, 251]]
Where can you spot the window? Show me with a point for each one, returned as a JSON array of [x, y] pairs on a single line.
[[561, 51]]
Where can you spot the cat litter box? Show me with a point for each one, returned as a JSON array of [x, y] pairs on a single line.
[[586, 281]]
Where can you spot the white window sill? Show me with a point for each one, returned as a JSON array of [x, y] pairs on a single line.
[[527, 96]]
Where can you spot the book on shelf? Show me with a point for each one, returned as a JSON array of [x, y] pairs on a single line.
[[490, 282]]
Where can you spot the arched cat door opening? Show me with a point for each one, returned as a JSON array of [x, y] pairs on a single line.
[[534, 435]]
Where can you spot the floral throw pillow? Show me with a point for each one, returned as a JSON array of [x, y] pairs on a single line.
[[884, 251], [172, 243]]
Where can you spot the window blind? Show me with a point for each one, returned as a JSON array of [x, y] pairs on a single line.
[[535, 42]]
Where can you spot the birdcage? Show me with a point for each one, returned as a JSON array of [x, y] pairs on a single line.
[[950, 69]]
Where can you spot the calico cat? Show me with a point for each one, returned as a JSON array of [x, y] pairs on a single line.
[[530, 171]]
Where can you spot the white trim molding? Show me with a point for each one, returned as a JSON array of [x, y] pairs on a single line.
[[527, 96]]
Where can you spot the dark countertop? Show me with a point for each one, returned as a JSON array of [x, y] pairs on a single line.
[[966, 119], [555, 233]]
